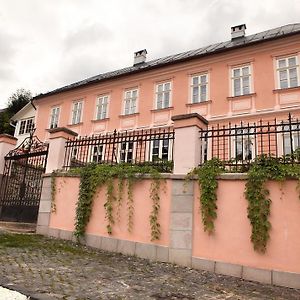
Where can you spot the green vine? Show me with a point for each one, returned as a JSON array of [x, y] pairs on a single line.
[[95, 176], [53, 191], [208, 184], [264, 168]]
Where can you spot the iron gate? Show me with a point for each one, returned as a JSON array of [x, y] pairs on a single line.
[[21, 184]]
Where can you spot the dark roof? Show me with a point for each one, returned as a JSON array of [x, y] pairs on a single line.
[[267, 35]]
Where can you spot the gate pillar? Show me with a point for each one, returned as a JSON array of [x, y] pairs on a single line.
[[57, 141], [7, 143], [187, 144]]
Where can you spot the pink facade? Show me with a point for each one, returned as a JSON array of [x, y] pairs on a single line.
[[260, 80]]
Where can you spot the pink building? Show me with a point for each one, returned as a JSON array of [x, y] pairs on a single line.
[[245, 78]]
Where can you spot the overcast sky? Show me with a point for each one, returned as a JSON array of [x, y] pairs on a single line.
[[46, 44]]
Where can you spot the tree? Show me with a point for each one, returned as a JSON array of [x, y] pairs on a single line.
[[15, 102]]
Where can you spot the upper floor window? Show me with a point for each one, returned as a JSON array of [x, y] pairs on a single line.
[[54, 117], [240, 79], [130, 102], [77, 112], [163, 92], [26, 126], [287, 72], [199, 87], [102, 107]]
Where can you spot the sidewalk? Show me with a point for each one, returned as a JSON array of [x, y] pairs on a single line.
[[52, 269]]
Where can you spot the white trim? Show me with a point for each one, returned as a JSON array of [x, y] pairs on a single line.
[[191, 86], [81, 112], [97, 106], [58, 118], [240, 78], [130, 101], [163, 92]]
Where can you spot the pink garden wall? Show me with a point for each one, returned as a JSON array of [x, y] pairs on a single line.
[[231, 240], [66, 199]]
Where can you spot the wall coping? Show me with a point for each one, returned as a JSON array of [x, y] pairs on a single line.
[[189, 116], [62, 129], [8, 136]]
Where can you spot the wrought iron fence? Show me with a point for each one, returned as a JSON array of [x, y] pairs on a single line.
[[153, 146], [237, 145]]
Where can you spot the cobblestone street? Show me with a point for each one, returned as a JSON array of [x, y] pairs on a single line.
[[52, 269]]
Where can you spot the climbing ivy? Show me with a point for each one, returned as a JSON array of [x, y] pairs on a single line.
[[95, 176], [208, 184], [265, 168], [53, 191], [262, 169]]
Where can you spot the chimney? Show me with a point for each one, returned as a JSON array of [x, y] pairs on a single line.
[[238, 31], [139, 57]]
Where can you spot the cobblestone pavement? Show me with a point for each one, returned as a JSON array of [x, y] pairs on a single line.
[[52, 269]]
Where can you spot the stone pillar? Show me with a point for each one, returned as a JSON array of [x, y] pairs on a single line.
[[7, 143], [181, 223], [187, 144], [58, 138]]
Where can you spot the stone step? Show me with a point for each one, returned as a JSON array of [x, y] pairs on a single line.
[[17, 227]]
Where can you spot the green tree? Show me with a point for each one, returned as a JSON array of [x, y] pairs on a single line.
[[15, 102]]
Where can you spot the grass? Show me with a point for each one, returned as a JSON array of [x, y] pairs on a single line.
[[34, 241]]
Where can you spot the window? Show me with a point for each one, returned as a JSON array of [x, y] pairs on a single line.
[[54, 117], [199, 86], [241, 81], [76, 112], [291, 138], [242, 144], [160, 150], [102, 108], [287, 72], [98, 154], [130, 102], [163, 91], [26, 126], [126, 152]]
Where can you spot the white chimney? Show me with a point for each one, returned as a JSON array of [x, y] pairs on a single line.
[[139, 57], [238, 31]]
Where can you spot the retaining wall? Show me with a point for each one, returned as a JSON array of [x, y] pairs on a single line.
[[228, 251]]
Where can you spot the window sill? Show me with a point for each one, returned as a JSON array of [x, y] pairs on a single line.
[[241, 96], [162, 109], [73, 125], [129, 115], [296, 88], [198, 103], [100, 120]]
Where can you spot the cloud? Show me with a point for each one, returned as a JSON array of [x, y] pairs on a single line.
[[87, 36]]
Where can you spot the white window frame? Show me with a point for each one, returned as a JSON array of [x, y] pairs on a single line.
[[246, 141], [287, 68], [295, 139], [54, 117], [102, 106], [199, 85], [26, 129], [98, 156], [163, 91], [126, 151], [132, 101], [240, 78], [76, 116], [160, 149]]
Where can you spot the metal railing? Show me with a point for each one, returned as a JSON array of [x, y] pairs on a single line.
[[238, 144], [153, 146]]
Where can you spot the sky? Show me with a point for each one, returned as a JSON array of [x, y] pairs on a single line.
[[46, 44]]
